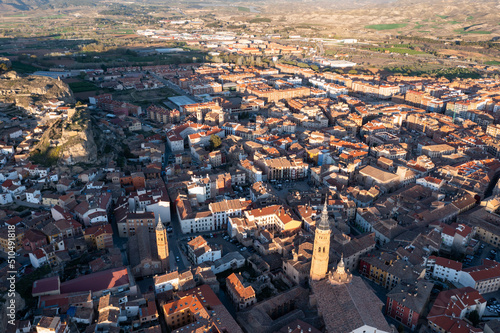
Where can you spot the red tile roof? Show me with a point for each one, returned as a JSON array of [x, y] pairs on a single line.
[[204, 293], [99, 281], [447, 263], [45, 285], [488, 270]]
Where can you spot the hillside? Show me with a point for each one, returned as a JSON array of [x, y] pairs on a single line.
[[375, 19], [68, 142], [27, 5], [30, 89], [16, 5]]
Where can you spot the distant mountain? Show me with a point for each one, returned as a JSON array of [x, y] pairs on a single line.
[[13, 5], [26, 5]]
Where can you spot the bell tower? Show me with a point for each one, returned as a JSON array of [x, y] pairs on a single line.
[[162, 244], [321, 247]]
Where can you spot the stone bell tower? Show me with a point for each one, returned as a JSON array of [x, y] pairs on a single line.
[[162, 244], [321, 247]]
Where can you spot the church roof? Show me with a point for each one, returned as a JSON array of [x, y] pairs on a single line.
[[347, 307]]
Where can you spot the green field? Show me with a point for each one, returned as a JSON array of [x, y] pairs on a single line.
[[83, 86], [123, 31], [243, 9], [492, 63], [260, 20], [386, 26], [51, 17], [23, 68], [444, 17], [401, 50], [479, 32]]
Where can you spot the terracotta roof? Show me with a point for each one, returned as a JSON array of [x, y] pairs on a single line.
[[197, 242], [234, 282], [46, 285], [488, 270], [447, 263], [99, 281]]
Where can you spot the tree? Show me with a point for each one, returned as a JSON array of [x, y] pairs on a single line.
[[215, 142], [474, 317]]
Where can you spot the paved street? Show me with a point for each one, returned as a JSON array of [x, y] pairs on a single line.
[[27, 204], [174, 87]]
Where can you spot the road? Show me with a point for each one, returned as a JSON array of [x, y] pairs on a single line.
[[27, 204], [173, 87], [173, 245], [176, 234]]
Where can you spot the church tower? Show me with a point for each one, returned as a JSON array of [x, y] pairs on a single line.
[[162, 244], [321, 251]]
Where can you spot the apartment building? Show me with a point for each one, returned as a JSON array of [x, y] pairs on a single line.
[[407, 302], [225, 209], [129, 225], [281, 168], [273, 218]]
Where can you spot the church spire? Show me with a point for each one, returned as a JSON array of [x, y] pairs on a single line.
[[159, 226], [323, 223]]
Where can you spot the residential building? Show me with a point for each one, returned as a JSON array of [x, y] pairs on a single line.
[[242, 296], [484, 278], [100, 236], [407, 302], [451, 307], [51, 325], [200, 251]]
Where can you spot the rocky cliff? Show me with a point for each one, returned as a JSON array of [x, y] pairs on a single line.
[[68, 142], [30, 89]]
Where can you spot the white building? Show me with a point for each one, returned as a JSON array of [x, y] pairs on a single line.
[[222, 210], [200, 251], [38, 258], [431, 182], [443, 269], [457, 235], [484, 278], [165, 282], [193, 221], [33, 196], [232, 260], [5, 198]]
